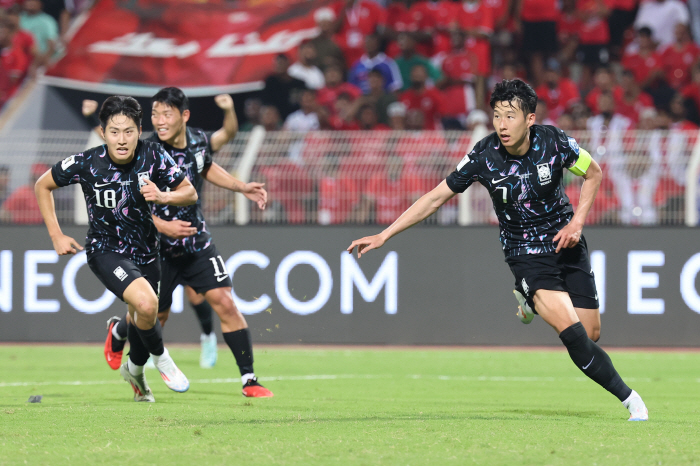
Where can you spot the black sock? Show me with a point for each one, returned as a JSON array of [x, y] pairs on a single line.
[[242, 349], [152, 339], [593, 361], [204, 315], [137, 350], [122, 330]]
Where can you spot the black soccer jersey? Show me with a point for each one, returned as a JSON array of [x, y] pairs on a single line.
[[192, 160], [120, 217], [526, 191]]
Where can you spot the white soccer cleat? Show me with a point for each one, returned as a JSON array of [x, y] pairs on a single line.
[[207, 358], [525, 312], [138, 382], [637, 408], [171, 375]]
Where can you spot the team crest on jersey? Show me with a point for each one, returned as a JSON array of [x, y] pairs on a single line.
[[143, 176], [574, 145], [199, 157], [67, 162], [544, 173]]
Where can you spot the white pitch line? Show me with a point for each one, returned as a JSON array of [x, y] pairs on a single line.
[[285, 378]]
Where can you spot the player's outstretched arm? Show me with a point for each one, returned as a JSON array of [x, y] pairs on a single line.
[[230, 126], [175, 229], [43, 189], [423, 208], [569, 236], [184, 194], [216, 175]]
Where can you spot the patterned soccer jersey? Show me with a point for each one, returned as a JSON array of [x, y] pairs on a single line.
[[192, 160], [120, 218], [526, 191]]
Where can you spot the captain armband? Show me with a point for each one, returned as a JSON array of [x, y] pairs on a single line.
[[582, 164]]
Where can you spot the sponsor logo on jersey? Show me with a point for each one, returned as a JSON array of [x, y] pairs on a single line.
[[199, 157], [544, 173], [67, 162], [120, 273]]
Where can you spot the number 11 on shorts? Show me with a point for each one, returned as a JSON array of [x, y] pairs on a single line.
[[219, 274]]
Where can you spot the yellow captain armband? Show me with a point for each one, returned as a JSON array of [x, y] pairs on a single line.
[[582, 164]]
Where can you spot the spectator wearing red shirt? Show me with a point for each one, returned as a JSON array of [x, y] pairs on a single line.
[[404, 16], [429, 101], [21, 39], [15, 63], [342, 117], [558, 93], [630, 100], [593, 37], [21, 206], [678, 114], [568, 29], [643, 60], [621, 18], [692, 91], [440, 16], [678, 58], [459, 68], [475, 19], [356, 19], [368, 120], [605, 83], [387, 195], [335, 86], [538, 23]]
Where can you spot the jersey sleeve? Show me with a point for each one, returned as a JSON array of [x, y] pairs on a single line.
[[465, 173], [574, 158], [68, 170], [169, 174]]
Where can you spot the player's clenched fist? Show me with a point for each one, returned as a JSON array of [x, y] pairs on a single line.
[[224, 101], [89, 107], [151, 192], [66, 245]]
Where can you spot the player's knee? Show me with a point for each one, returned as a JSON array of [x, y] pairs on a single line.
[[147, 308]]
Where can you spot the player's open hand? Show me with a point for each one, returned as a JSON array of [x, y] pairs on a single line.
[[89, 107], [66, 245], [224, 102], [256, 193], [568, 237], [366, 244], [151, 192], [177, 229]]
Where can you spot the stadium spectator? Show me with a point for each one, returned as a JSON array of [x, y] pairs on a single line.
[[333, 77], [643, 59], [692, 91], [374, 59], [306, 118], [443, 13], [621, 19], [304, 68], [15, 63], [459, 68], [475, 19], [44, 29], [397, 116], [661, 17], [630, 100], [21, 207], [402, 16], [605, 82], [327, 51], [21, 39], [282, 90], [542, 114], [427, 100], [409, 58], [568, 29], [593, 38], [270, 118], [606, 119], [566, 122], [559, 93], [537, 22], [678, 114], [342, 117], [678, 58], [338, 196], [251, 109], [368, 120], [377, 96], [356, 19]]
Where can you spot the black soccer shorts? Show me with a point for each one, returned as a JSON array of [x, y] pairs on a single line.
[[569, 271], [116, 272], [203, 271]]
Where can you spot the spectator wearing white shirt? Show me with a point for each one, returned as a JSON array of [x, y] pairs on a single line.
[[305, 70], [306, 118], [661, 16]]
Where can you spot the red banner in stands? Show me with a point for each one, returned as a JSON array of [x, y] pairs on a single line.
[[203, 47]]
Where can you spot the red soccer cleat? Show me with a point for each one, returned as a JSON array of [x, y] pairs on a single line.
[[252, 389], [114, 358]]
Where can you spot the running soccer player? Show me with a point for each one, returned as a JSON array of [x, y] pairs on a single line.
[[521, 165], [121, 180], [188, 254]]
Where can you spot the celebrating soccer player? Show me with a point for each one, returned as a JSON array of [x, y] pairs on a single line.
[[521, 165], [188, 254], [121, 181]]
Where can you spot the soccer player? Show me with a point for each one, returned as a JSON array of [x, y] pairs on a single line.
[[521, 165], [121, 180], [188, 254]]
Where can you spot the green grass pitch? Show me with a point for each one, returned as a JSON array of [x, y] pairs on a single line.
[[337, 406]]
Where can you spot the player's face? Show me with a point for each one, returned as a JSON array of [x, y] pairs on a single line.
[[511, 124], [168, 122], [121, 136]]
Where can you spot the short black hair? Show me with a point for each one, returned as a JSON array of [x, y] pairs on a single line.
[[120, 105], [172, 96], [515, 91]]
